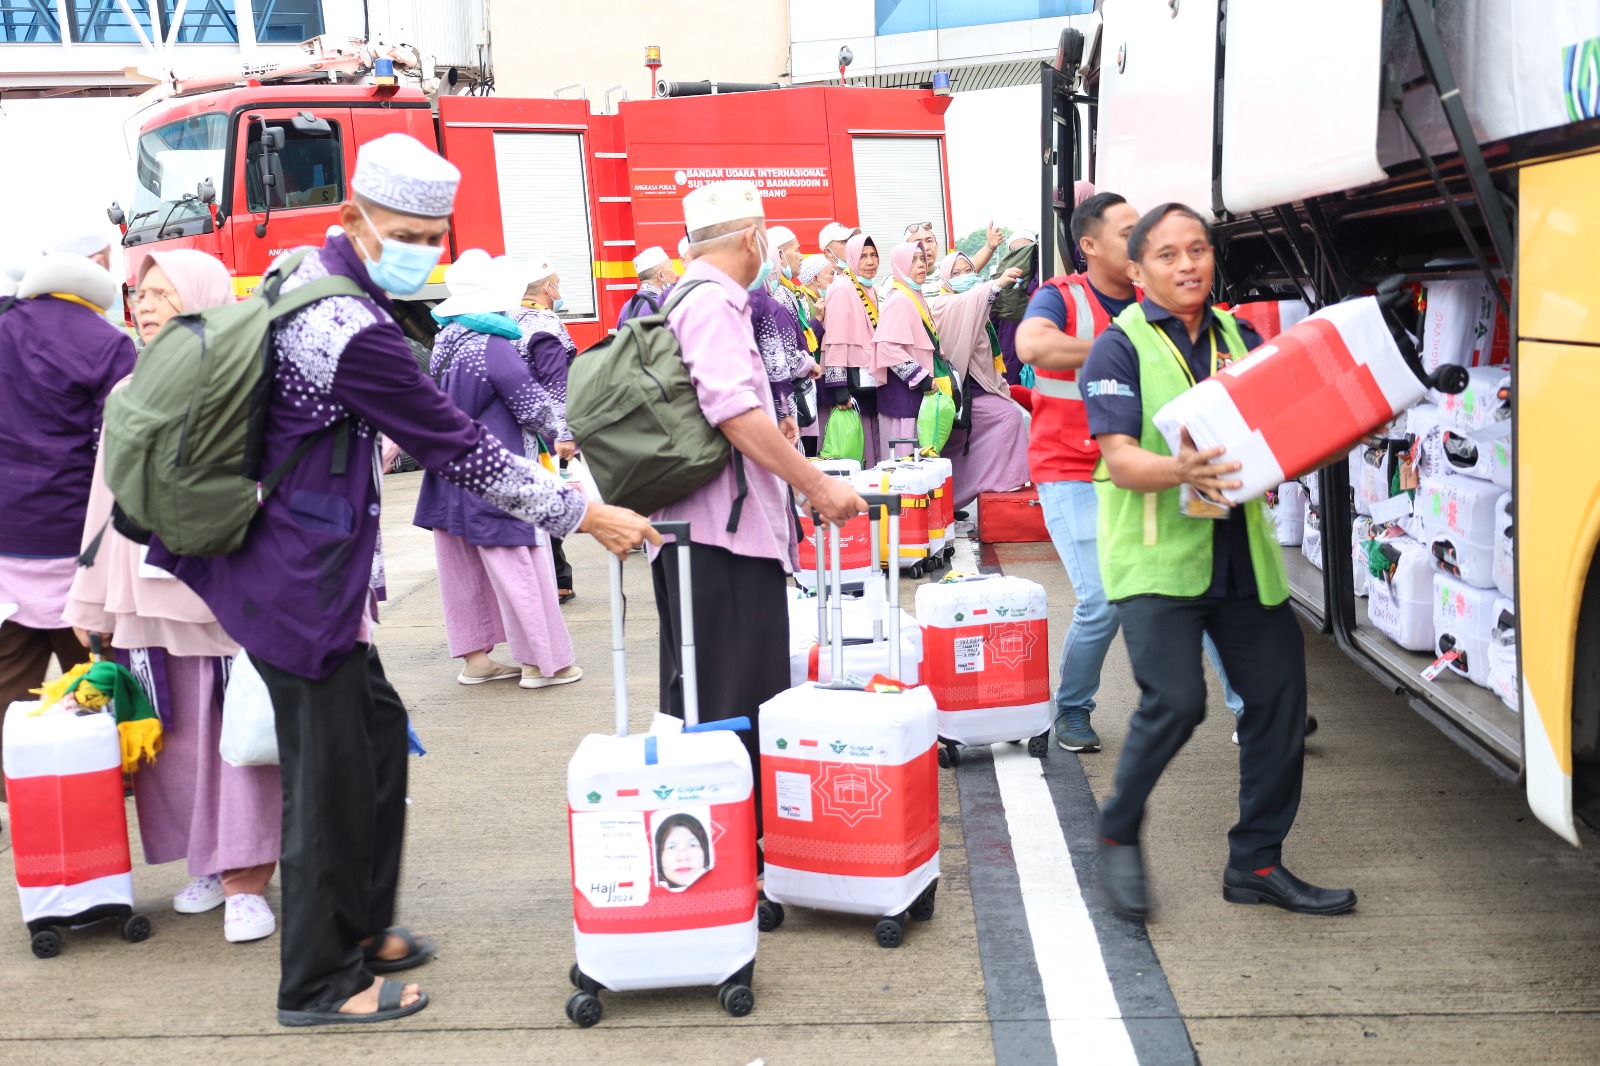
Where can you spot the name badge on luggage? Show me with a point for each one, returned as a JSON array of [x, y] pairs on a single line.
[[1193, 505]]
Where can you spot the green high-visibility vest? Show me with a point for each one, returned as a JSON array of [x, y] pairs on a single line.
[[1147, 546]]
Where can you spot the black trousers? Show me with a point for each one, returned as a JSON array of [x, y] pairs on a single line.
[[1263, 652], [342, 750], [741, 636], [563, 568]]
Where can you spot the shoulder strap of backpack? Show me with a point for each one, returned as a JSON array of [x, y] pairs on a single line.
[[679, 293]]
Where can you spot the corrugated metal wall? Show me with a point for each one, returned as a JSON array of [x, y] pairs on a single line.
[[448, 30]]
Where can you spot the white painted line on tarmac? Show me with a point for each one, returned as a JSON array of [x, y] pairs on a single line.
[[1085, 1021]]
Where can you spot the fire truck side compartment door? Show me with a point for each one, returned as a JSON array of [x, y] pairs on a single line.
[[899, 181], [311, 183], [1300, 100], [544, 208]]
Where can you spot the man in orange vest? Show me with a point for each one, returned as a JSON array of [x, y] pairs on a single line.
[[1063, 318]]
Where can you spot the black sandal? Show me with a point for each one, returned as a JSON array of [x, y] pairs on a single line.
[[389, 1008], [419, 949]]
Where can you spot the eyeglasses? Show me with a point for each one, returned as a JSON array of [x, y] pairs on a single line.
[[916, 227], [158, 295]]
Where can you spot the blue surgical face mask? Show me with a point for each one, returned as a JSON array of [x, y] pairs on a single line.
[[787, 271], [964, 282], [761, 272], [401, 268], [559, 305]]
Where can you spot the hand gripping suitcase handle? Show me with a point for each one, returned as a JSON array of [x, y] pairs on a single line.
[[830, 583], [679, 531]]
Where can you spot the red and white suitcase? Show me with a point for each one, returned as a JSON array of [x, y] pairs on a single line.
[[856, 546], [662, 829], [1013, 517], [850, 796], [866, 647], [69, 821], [915, 485], [986, 656], [1313, 391], [941, 502]]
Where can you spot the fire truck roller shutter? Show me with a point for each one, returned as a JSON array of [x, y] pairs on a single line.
[[899, 180], [544, 209]]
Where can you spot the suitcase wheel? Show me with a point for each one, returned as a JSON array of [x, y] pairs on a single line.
[[769, 915], [922, 909], [584, 1008], [949, 756], [582, 981], [134, 928], [916, 570], [890, 932], [1039, 746], [736, 999], [46, 944]]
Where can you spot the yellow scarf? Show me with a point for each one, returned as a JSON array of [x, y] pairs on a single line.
[[800, 292], [96, 308], [922, 310]]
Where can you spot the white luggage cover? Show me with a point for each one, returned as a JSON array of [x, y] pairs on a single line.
[[1422, 425], [1463, 507], [1505, 549], [1483, 453], [68, 823], [941, 499], [1463, 620], [1484, 401], [1400, 605], [1288, 507], [634, 802], [850, 798], [1503, 655], [1311, 536], [808, 662], [1314, 391], [986, 656]]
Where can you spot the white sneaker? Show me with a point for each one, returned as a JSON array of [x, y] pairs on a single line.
[[249, 918], [200, 895]]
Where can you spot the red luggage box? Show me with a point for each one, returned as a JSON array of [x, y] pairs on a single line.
[[1011, 517]]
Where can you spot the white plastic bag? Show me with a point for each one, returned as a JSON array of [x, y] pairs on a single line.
[[249, 730]]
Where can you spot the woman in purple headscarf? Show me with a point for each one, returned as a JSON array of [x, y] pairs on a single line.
[[225, 820]]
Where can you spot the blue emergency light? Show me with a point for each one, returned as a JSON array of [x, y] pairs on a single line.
[[383, 72]]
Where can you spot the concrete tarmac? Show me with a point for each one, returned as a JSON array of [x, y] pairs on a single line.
[[1475, 940]]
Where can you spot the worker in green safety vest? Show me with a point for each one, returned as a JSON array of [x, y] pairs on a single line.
[[1179, 561]]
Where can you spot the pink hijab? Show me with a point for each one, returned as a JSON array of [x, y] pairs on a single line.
[[200, 280], [848, 340], [901, 334], [1081, 191]]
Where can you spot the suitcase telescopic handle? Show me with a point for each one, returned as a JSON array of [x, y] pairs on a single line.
[[903, 440], [679, 532], [834, 596]]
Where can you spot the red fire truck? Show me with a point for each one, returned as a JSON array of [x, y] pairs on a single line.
[[249, 170]]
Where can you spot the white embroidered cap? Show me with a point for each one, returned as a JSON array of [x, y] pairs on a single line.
[[89, 240], [719, 202], [649, 259], [683, 248], [778, 236], [1022, 233], [536, 269], [834, 231], [480, 284], [401, 173]]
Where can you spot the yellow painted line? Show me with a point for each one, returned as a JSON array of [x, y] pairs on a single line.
[[246, 285], [615, 268]]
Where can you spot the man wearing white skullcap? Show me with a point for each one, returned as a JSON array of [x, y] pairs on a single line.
[[301, 592], [742, 520], [832, 240], [656, 275]]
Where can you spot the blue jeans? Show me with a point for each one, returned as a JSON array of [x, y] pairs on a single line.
[[1072, 515]]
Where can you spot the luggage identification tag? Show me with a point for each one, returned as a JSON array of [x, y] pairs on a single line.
[[1437, 666], [1193, 505]]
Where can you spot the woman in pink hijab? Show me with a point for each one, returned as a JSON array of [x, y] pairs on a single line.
[[991, 455], [850, 308], [904, 345], [225, 820]]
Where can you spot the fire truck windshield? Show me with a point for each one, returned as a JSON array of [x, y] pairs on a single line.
[[173, 160]]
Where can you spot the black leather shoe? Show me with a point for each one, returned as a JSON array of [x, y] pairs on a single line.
[[1283, 889], [1122, 877]]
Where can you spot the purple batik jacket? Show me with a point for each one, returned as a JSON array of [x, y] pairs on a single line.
[[58, 361], [547, 348], [295, 595], [487, 379]]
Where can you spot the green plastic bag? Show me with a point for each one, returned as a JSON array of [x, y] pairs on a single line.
[[842, 439], [935, 419]]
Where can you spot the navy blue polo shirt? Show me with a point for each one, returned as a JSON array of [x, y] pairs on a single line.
[[1110, 380]]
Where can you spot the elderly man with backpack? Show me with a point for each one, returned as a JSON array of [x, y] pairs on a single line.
[[723, 468], [292, 581]]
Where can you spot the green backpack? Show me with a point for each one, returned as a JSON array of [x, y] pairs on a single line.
[[184, 440], [633, 409]]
